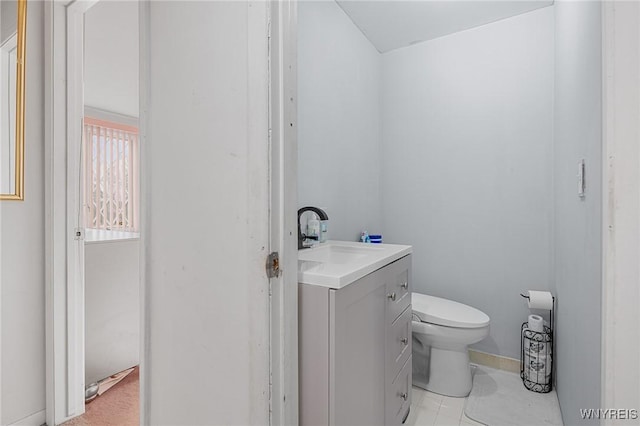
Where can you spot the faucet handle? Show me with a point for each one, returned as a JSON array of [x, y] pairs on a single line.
[[306, 238]]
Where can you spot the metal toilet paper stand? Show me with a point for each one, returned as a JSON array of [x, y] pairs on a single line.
[[536, 355]]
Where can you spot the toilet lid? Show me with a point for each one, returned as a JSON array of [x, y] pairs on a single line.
[[445, 312]]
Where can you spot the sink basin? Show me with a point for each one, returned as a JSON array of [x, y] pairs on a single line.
[[335, 253], [336, 264]]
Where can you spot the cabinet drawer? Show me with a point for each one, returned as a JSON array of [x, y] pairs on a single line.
[[398, 347], [398, 398], [398, 286]]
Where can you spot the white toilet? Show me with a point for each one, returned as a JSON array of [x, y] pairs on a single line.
[[442, 330]]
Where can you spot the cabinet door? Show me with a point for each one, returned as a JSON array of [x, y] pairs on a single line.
[[357, 352], [399, 397], [398, 280], [398, 344]]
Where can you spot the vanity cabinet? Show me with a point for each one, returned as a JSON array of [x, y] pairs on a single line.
[[355, 349]]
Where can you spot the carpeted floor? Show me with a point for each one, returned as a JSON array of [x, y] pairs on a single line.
[[119, 406]]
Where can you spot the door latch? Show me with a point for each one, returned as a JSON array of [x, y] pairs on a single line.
[[273, 265]]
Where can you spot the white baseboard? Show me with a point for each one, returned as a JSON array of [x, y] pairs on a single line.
[[36, 419], [495, 361]]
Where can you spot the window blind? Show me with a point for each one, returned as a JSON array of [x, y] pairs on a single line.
[[111, 176]]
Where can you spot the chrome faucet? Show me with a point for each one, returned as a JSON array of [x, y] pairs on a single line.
[[302, 237]]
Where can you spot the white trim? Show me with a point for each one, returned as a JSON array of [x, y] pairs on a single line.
[[620, 372], [35, 419], [145, 333], [49, 9], [283, 212], [0, 311], [1, 284], [606, 303], [75, 246], [55, 212], [64, 269]]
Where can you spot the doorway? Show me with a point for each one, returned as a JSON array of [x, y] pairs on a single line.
[[94, 305], [110, 218]]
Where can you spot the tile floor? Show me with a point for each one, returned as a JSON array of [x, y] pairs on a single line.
[[430, 409]]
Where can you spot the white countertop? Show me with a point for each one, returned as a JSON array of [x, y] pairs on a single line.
[[336, 264]]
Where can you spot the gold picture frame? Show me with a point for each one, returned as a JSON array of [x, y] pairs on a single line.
[[18, 188]]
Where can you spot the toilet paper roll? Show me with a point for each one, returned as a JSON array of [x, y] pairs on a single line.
[[536, 347], [540, 300], [533, 358], [537, 368], [536, 323], [537, 376]]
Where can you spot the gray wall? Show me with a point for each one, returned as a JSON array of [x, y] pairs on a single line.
[[339, 120], [112, 307], [467, 166], [111, 43], [578, 127], [8, 19], [22, 258]]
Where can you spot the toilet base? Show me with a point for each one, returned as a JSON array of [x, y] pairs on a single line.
[[449, 373]]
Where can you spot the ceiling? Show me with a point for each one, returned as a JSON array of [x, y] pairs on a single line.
[[392, 24]]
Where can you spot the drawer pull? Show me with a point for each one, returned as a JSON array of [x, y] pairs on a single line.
[[392, 296], [404, 341], [405, 285], [404, 396]]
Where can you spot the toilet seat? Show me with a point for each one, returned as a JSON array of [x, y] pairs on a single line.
[[435, 310]]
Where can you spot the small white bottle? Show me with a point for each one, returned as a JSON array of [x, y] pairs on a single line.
[[324, 230]]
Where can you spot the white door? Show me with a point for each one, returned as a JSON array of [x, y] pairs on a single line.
[[206, 167]]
